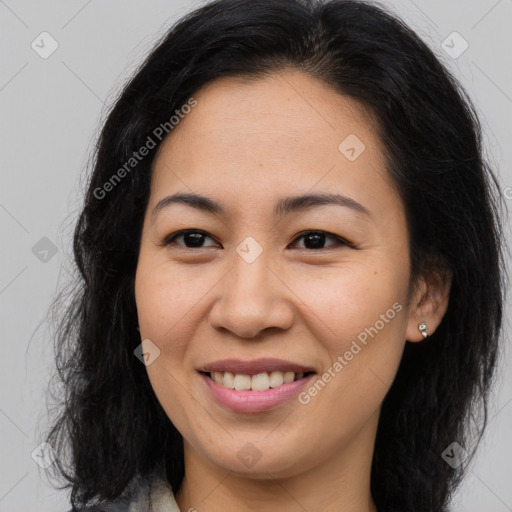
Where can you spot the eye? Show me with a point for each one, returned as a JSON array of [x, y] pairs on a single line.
[[193, 238], [315, 240]]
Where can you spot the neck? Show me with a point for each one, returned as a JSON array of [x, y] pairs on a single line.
[[340, 483]]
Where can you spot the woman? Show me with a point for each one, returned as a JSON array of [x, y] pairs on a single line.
[[291, 272]]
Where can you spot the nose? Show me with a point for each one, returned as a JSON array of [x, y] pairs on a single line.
[[252, 298]]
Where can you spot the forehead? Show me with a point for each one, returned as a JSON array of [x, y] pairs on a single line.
[[282, 133]]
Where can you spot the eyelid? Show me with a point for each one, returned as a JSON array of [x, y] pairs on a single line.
[[169, 239], [341, 241]]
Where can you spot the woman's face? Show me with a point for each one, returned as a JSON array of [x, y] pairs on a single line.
[[251, 283]]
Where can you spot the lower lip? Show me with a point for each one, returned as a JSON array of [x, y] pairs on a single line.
[[255, 401]]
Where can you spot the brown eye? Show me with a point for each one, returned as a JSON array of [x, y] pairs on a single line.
[[193, 239], [315, 240]]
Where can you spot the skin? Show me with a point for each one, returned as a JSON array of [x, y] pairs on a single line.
[[246, 145]]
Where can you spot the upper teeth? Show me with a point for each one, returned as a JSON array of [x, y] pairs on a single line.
[[259, 382]]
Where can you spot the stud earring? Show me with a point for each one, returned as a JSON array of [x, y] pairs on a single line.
[[423, 329]]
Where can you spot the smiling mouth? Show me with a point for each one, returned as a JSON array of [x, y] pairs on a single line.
[[259, 382]]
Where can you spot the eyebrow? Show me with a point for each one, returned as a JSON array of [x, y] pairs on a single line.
[[286, 205]]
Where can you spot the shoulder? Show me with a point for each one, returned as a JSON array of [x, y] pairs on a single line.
[[106, 507], [111, 506], [141, 495]]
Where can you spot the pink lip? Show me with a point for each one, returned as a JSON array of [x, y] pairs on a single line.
[[254, 401], [254, 367]]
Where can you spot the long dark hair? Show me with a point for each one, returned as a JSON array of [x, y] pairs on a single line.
[[111, 421]]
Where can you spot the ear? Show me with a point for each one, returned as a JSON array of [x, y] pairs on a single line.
[[428, 304]]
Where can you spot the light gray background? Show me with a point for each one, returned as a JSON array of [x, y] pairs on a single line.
[[51, 112]]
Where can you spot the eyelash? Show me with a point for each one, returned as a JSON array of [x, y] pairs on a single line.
[[170, 239]]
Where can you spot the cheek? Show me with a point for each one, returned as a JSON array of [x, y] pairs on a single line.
[[167, 300], [360, 319], [343, 301]]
